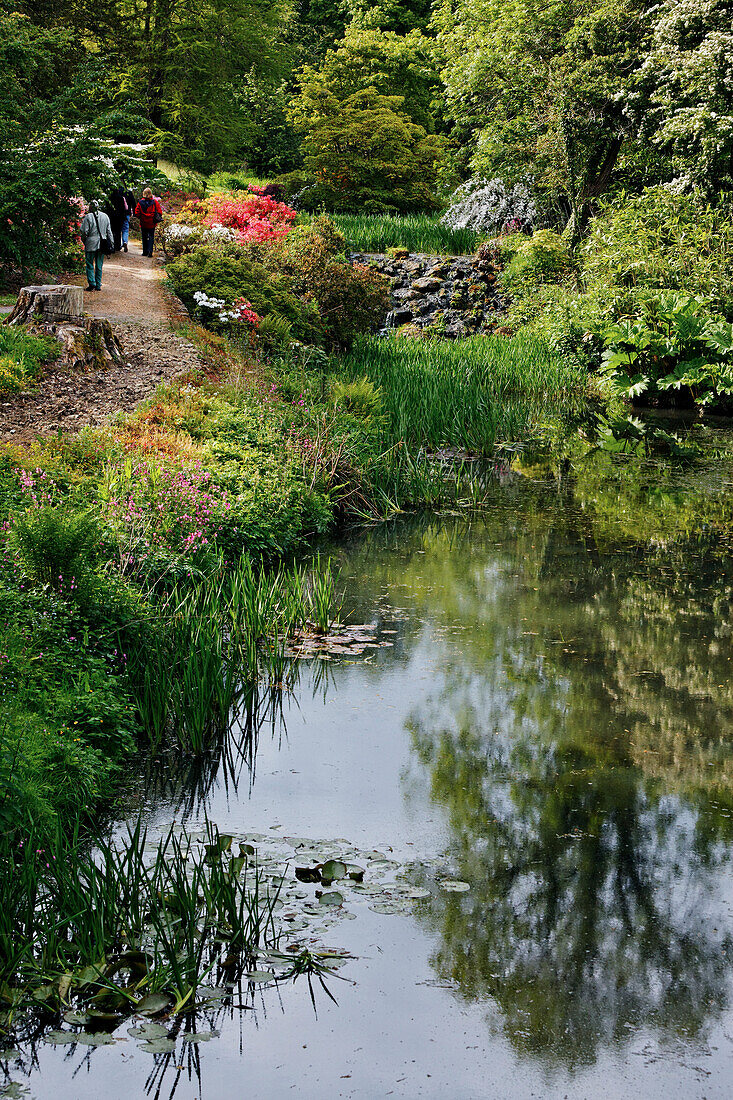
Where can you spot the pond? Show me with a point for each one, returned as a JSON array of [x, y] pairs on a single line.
[[536, 753]]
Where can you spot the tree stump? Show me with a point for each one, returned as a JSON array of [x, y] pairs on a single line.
[[49, 303], [87, 343]]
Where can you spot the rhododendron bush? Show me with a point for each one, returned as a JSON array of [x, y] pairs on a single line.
[[251, 218]]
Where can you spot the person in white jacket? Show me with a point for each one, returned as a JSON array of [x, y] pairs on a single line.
[[94, 230]]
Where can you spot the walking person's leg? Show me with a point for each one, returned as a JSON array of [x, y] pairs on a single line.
[[91, 278], [98, 268], [125, 231]]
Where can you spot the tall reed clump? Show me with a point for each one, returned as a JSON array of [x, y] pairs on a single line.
[[415, 232], [217, 638], [126, 929], [470, 394]]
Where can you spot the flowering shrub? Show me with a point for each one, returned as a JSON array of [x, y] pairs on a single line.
[[254, 218], [173, 509], [486, 206], [241, 312]]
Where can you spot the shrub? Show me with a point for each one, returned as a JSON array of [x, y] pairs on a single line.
[[253, 218], [55, 545], [487, 206], [229, 273], [21, 356], [662, 240], [542, 258], [360, 397], [350, 298], [672, 349]]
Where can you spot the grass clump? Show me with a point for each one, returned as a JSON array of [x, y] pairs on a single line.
[[22, 355], [414, 232], [469, 393]]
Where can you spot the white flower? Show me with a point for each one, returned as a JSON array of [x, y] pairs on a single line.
[[486, 206]]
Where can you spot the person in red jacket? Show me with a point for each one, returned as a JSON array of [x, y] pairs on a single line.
[[150, 212]]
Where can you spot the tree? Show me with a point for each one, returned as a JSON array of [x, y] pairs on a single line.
[[363, 154]]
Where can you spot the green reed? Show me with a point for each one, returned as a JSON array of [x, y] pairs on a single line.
[[102, 930], [216, 637], [469, 394], [415, 232]]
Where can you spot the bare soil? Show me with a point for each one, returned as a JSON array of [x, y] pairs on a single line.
[[141, 311]]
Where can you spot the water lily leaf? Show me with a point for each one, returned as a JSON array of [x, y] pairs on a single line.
[[88, 974], [158, 1046], [332, 898], [210, 993], [65, 985], [453, 886], [74, 1016], [236, 863], [43, 992], [308, 874], [246, 850], [148, 1030], [333, 869], [260, 976], [388, 907], [417, 892], [59, 1038], [95, 1038], [199, 1036], [152, 1004], [356, 873]]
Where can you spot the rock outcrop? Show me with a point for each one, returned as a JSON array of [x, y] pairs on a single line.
[[452, 295]]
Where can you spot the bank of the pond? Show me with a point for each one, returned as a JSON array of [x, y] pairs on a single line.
[[143, 591]]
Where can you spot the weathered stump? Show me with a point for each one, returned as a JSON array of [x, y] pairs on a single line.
[[48, 304], [58, 311]]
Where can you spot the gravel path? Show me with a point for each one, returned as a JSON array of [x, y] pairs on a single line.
[[141, 312]]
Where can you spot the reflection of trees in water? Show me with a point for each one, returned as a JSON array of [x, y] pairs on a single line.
[[582, 746], [590, 901]]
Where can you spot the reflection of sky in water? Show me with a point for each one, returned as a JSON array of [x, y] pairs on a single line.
[[543, 718]]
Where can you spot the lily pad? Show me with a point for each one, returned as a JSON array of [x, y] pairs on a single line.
[[153, 1004], [149, 1031], [199, 1036], [308, 874], [158, 1046], [333, 869], [260, 976], [210, 993], [75, 1016], [331, 898], [453, 886], [95, 1038]]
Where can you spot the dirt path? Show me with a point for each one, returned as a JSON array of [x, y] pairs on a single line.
[[141, 312]]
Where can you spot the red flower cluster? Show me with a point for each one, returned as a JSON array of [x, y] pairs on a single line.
[[243, 312], [253, 218]]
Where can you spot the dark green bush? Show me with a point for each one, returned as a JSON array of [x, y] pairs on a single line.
[[542, 258], [232, 272]]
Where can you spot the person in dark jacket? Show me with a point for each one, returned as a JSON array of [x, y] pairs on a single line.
[[131, 204], [150, 212], [94, 229], [117, 208]]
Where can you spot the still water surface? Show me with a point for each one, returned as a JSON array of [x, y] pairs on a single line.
[[553, 725]]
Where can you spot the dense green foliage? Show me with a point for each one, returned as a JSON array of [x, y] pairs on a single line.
[[21, 357]]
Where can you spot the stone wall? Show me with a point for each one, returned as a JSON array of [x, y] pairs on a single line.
[[456, 294]]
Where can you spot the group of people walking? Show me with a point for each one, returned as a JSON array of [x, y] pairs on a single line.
[[104, 231]]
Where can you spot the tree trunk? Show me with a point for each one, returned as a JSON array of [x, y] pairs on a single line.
[[51, 303], [58, 311]]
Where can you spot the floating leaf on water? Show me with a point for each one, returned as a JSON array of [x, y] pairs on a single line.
[[416, 893], [153, 1004], [43, 992], [356, 873], [333, 869], [148, 1030], [453, 886], [246, 850], [75, 1016], [210, 993], [158, 1046], [389, 907], [260, 976], [95, 1038], [59, 1038], [199, 1036], [331, 898]]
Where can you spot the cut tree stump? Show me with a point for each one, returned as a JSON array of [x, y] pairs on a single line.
[[50, 303], [87, 343]]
